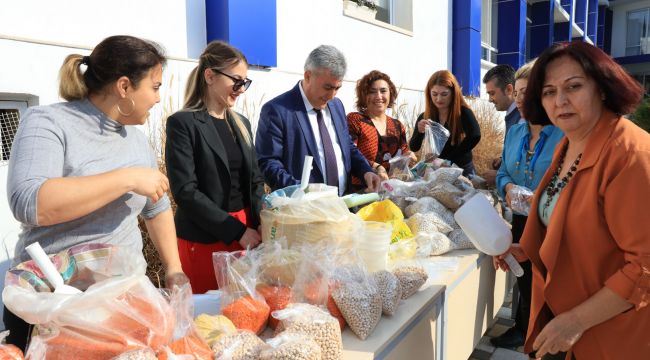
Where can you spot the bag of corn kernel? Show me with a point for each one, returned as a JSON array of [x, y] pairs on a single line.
[[236, 274]]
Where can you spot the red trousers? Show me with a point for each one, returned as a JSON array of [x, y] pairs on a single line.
[[196, 258]]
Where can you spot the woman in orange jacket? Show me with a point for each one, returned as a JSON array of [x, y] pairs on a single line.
[[588, 234]]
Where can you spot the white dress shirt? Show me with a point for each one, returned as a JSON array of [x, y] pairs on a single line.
[[329, 124]]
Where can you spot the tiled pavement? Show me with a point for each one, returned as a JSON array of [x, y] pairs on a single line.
[[485, 351]]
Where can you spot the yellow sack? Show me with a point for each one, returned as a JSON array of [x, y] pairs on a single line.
[[387, 211]]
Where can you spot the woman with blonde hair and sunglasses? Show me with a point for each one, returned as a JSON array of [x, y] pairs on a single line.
[[445, 105], [212, 166]]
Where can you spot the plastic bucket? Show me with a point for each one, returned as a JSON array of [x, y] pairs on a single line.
[[372, 246], [483, 226]]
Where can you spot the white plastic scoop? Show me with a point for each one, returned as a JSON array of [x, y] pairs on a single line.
[[306, 170], [41, 259], [486, 230]]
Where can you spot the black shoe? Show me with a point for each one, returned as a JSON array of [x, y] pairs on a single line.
[[512, 338]]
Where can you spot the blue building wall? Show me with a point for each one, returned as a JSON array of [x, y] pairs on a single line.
[[511, 32], [466, 45], [249, 25]]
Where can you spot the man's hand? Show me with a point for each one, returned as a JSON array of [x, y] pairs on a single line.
[[372, 181], [381, 172], [496, 164]]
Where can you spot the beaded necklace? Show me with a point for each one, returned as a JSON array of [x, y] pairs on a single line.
[[557, 184]]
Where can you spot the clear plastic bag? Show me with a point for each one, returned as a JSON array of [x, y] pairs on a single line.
[[240, 345], [319, 215], [8, 351], [433, 244], [390, 291], [237, 278], [399, 168], [429, 222], [411, 279], [435, 138], [519, 199], [119, 311], [357, 297], [186, 340], [315, 282], [291, 346], [312, 321]]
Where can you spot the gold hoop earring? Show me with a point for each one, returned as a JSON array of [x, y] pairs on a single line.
[[119, 109]]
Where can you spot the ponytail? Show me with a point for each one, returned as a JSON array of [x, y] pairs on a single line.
[[194, 90], [71, 82]]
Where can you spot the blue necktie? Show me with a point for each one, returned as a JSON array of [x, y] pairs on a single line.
[[331, 171]]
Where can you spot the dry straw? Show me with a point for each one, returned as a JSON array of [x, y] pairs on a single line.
[[492, 132]]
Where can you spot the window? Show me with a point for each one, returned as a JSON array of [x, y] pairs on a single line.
[[638, 32], [489, 21], [394, 14], [9, 117]]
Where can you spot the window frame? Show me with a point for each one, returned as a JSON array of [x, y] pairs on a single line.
[[647, 33]]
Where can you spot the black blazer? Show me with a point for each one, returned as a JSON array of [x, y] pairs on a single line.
[[199, 177]]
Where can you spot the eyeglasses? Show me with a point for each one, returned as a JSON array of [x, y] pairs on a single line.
[[238, 83]]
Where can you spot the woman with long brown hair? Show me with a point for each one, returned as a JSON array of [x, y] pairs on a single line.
[[445, 105], [212, 166]]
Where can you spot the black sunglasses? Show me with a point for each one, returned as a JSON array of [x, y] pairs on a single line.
[[238, 83]]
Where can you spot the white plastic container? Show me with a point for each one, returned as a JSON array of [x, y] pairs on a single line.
[[486, 229], [373, 244]]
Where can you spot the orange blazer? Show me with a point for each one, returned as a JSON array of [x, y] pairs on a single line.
[[599, 235]]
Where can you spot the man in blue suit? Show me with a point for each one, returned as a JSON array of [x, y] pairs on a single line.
[[310, 120]]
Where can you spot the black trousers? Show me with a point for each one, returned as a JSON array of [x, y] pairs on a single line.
[[525, 282], [19, 330]]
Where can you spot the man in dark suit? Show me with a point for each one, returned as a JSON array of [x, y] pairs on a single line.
[[310, 120]]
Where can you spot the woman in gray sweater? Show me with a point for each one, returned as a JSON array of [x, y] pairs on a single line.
[[81, 173]]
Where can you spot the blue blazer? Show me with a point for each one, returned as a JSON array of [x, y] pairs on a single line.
[[284, 136]]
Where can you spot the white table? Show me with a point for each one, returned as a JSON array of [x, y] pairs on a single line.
[[443, 321]]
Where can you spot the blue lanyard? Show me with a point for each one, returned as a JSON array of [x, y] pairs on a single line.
[[524, 146]]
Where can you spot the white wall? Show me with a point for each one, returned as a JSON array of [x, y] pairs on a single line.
[[619, 23]]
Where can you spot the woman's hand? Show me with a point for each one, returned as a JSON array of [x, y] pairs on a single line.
[[422, 125], [516, 251], [148, 182], [560, 334], [177, 278], [250, 239]]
